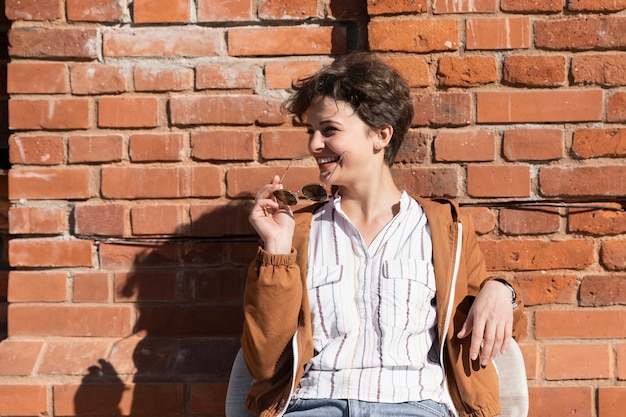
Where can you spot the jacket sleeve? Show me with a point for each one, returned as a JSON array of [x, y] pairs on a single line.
[[271, 303]]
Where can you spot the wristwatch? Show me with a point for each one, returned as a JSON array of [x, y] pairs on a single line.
[[510, 287]]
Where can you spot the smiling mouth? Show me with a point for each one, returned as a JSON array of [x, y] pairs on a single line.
[[321, 161]]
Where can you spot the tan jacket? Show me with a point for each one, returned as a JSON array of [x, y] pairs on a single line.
[[277, 334]]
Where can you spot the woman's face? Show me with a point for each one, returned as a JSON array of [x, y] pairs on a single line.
[[334, 130]]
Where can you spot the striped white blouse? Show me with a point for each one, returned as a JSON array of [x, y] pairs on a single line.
[[373, 310]]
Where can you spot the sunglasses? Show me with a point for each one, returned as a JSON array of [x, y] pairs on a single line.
[[313, 192]]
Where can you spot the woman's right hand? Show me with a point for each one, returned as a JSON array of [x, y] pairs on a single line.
[[272, 220]]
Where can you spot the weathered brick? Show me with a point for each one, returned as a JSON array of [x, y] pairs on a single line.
[[128, 112], [223, 145], [23, 400], [611, 401], [221, 219], [18, 358], [603, 290], [37, 77], [621, 361], [378, 7], [579, 324], [428, 182], [287, 9], [597, 221], [347, 10], [160, 42], [246, 181], [556, 106], [542, 144], [605, 70], [580, 33], [224, 109], [148, 147], [483, 217], [534, 71], [224, 10], [498, 33], [49, 183], [286, 41], [37, 287], [96, 10], [616, 107], [36, 150], [415, 70], [415, 147], [595, 143], [280, 74], [138, 286], [40, 252], [220, 76], [498, 181], [582, 181], [168, 255], [561, 401], [100, 219], [537, 255], [540, 288], [72, 357], [90, 287], [208, 398], [531, 359], [33, 9], [479, 6], [284, 144], [532, 6], [529, 221], [466, 71], [37, 220], [596, 5], [95, 148], [593, 361], [90, 78], [161, 11], [442, 109], [413, 35], [613, 255], [157, 78], [160, 220], [49, 114], [53, 42], [468, 145]]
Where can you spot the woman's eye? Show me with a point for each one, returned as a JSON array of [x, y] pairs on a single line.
[[329, 130]]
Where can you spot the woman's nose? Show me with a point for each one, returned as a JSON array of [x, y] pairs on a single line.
[[316, 141]]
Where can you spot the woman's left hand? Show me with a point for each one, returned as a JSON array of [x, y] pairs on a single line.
[[490, 322]]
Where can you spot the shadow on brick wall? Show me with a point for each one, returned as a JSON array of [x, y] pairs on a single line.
[[4, 166], [186, 291]]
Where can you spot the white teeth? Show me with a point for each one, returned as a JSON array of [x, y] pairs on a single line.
[[326, 160]]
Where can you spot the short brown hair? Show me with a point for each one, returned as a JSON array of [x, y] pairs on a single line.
[[377, 93]]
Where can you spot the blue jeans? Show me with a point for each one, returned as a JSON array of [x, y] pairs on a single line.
[[354, 408]]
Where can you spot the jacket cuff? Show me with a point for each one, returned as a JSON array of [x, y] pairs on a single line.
[[266, 258]]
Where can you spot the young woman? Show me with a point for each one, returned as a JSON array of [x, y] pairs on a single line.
[[373, 303]]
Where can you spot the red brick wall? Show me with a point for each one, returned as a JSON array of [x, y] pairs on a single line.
[[140, 132]]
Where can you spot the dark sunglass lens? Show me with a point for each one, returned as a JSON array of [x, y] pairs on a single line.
[[315, 192], [286, 197]]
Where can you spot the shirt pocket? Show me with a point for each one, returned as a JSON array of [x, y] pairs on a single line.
[[330, 306], [406, 295]]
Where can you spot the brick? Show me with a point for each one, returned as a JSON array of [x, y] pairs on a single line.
[[480, 6], [225, 76], [414, 35], [579, 324], [105, 219], [96, 10], [604, 70], [23, 400], [221, 219], [159, 220], [538, 289], [498, 33], [141, 286], [621, 360], [593, 361], [498, 181], [596, 5], [161, 182], [616, 107], [613, 255], [484, 219], [561, 401], [534, 71], [208, 398], [529, 221], [580, 33], [161, 11], [347, 10], [37, 220], [90, 287], [116, 398], [224, 10], [128, 112], [214, 285], [537, 255], [582, 181], [40, 252], [36, 150], [378, 7], [114, 256], [95, 148], [132, 355], [37, 77], [232, 109], [431, 182], [72, 357], [542, 144], [530, 354], [223, 145], [284, 144], [603, 290], [557, 106], [611, 401], [49, 114], [33, 9], [595, 143], [601, 222], [284, 41], [90, 78], [162, 42], [287, 9], [280, 74], [415, 147], [467, 71], [157, 78], [149, 147], [442, 109], [469, 145], [532, 6], [18, 358], [49, 183], [415, 70], [40, 42]]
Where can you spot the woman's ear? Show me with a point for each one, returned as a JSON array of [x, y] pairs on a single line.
[[383, 137]]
